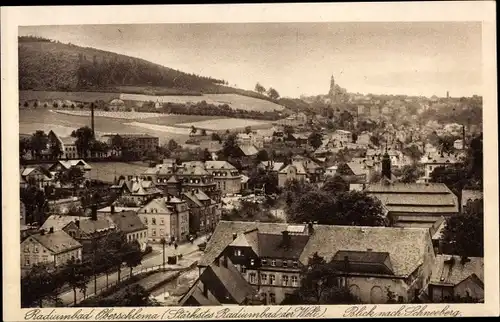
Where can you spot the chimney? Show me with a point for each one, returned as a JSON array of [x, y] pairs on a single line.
[[234, 236], [51, 230], [464, 260], [42, 232], [93, 215], [77, 223], [112, 209]]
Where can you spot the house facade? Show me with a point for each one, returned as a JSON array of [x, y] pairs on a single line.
[[271, 257], [166, 217], [204, 213], [225, 175], [129, 223], [52, 247]]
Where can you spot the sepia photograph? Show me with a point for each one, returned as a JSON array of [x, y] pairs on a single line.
[[251, 164]]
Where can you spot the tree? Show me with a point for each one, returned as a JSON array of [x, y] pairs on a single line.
[[36, 204], [413, 152], [320, 285], [172, 145], [354, 138], [248, 129], [335, 185], [350, 208], [84, 138], [39, 284], [230, 146], [193, 129], [375, 140], [410, 174], [24, 147], [98, 148], [117, 143], [216, 137], [136, 296], [288, 130], [315, 139], [452, 176], [73, 176], [39, 141], [272, 93], [55, 149], [203, 132], [259, 88], [262, 155], [77, 276], [205, 155], [133, 255], [464, 234]]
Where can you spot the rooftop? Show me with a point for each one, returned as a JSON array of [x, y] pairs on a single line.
[[450, 270], [57, 242]]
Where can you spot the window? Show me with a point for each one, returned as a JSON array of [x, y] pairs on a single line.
[[27, 261], [285, 280], [154, 232], [285, 263], [162, 232], [252, 262], [273, 262], [162, 221], [294, 280], [272, 298], [263, 278], [153, 221], [263, 261], [26, 249], [295, 264], [237, 252], [243, 269], [45, 258], [252, 277], [272, 279], [36, 249]]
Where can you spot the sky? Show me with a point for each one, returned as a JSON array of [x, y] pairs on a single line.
[[419, 58]]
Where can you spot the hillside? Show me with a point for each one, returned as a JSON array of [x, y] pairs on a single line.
[[47, 65]]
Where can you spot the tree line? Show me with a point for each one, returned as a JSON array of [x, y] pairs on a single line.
[[44, 283]]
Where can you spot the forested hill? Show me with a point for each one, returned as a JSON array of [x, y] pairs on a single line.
[[50, 65]]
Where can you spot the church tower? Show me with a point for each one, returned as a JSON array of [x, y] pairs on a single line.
[[332, 91]]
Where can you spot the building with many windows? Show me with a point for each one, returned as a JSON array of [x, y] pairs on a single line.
[[166, 217], [272, 257], [51, 247]]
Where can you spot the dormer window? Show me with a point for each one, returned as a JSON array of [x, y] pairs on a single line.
[[273, 262], [252, 262], [295, 264], [237, 252]]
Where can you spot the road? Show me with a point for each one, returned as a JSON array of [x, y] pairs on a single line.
[[67, 297]]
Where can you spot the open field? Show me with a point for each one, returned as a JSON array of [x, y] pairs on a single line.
[[227, 123], [233, 100], [113, 114]]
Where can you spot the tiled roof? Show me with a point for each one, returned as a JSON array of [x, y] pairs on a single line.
[[71, 163], [471, 195], [217, 165], [276, 166], [449, 270], [57, 242], [357, 168], [127, 221], [248, 150], [119, 209], [194, 171], [405, 246], [272, 245], [415, 197], [90, 226], [298, 165], [233, 281], [58, 222], [191, 196]]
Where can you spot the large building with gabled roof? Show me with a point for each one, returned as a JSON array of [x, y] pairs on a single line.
[[272, 257]]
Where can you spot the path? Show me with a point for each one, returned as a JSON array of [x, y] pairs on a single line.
[[67, 297]]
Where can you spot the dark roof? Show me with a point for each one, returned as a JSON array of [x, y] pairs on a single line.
[[90, 226], [416, 197], [363, 262], [449, 270], [274, 245], [127, 221], [57, 242], [220, 281], [406, 246]]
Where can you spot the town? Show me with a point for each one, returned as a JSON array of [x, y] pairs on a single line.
[[354, 199]]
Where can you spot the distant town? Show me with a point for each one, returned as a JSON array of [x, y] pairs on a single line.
[[342, 198]]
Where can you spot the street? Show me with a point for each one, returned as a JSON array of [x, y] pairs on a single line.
[[67, 297]]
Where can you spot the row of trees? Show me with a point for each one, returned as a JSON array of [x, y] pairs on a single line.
[[43, 283], [204, 108], [271, 92]]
